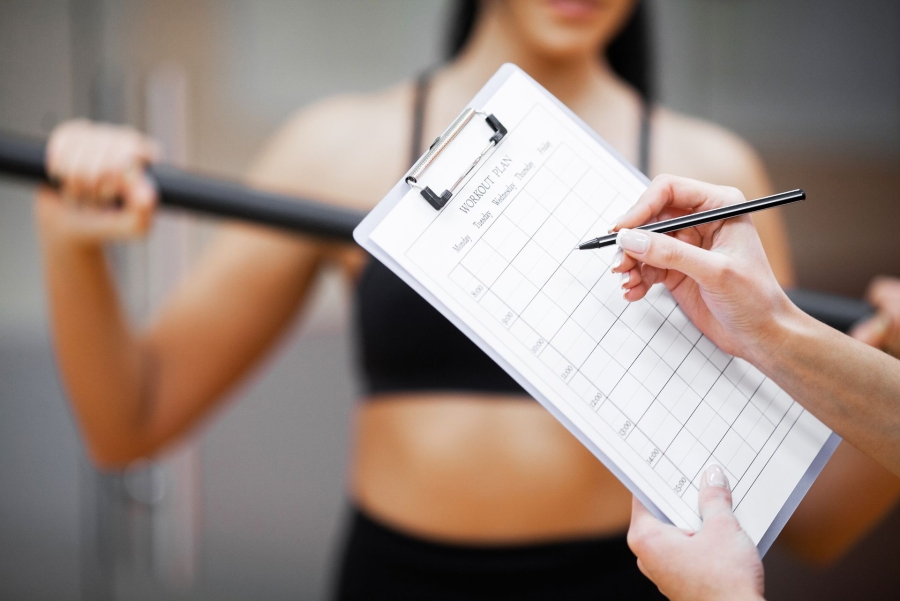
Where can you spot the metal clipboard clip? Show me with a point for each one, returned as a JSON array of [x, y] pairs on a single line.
[[440, 143]]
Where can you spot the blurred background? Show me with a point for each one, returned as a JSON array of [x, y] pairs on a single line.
[[252, 505]]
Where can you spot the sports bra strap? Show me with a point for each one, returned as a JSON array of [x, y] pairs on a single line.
[[644, 139], [420, 99]]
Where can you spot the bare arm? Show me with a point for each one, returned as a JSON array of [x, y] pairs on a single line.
[[852, 387], [854, 492], [133, 391], [851, 392]]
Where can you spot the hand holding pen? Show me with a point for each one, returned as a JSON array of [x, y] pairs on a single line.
[[717, 271]]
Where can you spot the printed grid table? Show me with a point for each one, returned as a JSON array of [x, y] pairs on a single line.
[[647, 372]]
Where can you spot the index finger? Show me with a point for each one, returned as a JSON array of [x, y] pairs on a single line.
[[680, 193], [646, 529]]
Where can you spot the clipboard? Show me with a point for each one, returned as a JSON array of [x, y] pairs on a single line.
[[471, 140]]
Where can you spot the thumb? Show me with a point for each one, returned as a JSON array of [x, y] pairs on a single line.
[[715, 495], [666, 252]]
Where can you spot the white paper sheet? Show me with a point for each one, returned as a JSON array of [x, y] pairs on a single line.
[[652, 397]]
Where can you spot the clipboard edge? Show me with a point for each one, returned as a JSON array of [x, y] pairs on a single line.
[[793, 500]]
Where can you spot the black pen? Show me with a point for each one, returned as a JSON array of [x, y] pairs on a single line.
[[695, 219]]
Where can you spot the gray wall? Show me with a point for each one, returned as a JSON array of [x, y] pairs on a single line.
[[39, 450], [815, 85]]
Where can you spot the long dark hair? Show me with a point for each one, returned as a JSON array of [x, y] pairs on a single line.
[[629, 54]]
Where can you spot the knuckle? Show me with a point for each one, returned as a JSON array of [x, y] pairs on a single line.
[[661, 183], [715, 494], [671, 253], [72, 125], [637, 541], [664, 180], [722, 521], [733, 195], [732, 272], [724, 269], [119, 163]]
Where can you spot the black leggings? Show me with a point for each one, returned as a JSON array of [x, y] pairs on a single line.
[[380, 563]]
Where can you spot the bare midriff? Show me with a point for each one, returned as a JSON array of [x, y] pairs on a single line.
[[472, 468]]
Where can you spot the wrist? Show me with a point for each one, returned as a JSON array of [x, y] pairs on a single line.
[[746, 594], [780, 330], [58, 236], [734, 594], [58, 243]]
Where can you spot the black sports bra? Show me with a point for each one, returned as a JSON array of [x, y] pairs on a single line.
[[404, 343]]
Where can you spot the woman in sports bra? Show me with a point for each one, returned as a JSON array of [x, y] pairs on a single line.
[[462, 486]]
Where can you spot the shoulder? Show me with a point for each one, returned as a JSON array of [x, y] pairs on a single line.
[[701, 150], [345, 149]]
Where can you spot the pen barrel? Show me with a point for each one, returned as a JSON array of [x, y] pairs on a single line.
[[695, 219], [722, 213], [25, 158]]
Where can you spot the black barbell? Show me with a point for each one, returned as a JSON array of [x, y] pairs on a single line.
[[25, 158]]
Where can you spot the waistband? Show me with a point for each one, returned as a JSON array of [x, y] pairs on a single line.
[[381, 563]]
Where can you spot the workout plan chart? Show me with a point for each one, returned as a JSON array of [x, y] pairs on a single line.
[[637, 382]]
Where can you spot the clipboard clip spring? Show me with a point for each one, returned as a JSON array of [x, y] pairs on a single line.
[[441, 142]]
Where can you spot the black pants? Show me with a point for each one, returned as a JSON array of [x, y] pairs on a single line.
[[380, 563]]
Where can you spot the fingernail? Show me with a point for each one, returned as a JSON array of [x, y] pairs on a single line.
[[633, 240], [617, 258], [625, 278], [615, 223], [715, 476]]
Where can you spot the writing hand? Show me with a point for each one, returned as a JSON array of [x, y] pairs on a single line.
[[718, 272]]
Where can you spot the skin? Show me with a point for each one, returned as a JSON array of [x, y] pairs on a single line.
[[720, 559], [719, 275], [450, 466]]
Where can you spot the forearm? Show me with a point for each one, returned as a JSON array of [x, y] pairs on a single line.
[[851, 387], [101, 362]]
